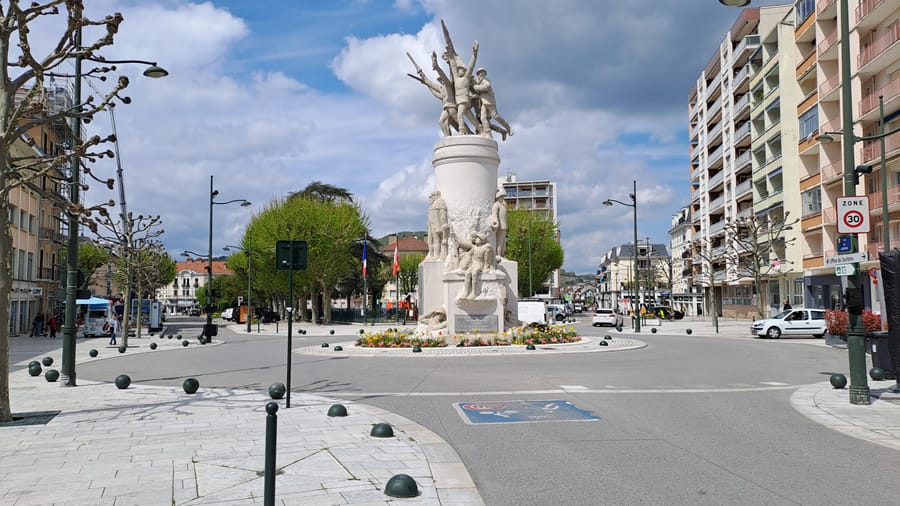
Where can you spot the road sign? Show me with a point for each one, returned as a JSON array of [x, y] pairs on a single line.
[[521, 412], [845, 244], [844, 270], [852, 215], [852, 258], [290, 255]]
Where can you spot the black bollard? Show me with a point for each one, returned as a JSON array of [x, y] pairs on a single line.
[[271, 433]]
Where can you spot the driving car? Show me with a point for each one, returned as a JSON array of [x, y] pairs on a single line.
[[793, 322], [605, 316], [195, 312]]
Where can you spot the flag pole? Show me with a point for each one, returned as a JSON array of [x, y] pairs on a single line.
[[365, 283]]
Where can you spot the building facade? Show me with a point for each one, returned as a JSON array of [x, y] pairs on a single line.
[[190, 275]]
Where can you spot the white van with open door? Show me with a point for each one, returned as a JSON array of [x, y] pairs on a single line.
[[97, 312]]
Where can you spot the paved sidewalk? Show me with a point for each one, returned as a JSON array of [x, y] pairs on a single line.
[[155, 445]]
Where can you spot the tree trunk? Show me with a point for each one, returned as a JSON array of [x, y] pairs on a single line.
[[5, 285], [326, 304]]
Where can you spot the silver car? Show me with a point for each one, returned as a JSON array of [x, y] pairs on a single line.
[[794, 322]]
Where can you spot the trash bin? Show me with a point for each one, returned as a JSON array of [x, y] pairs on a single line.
[[881, 357]]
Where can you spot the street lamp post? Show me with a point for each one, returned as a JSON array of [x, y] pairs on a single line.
[[637, 283], [69, 329], [246, 251], [208, 329]]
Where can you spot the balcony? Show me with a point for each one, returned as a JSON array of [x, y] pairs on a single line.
[[740, 77], [714, 108], [743, 188], [53, 235], [715, 180], [870, 102], [49, 274], [865, 8], [875, 199], [717, 227], [879, 46], [713, 134], [715, 156], [828, 43], [872, 149], [744, 49], [742, 105], [745, 212], [828, 86], [829, 215], [742, 133], [822, 7], [832, 171], [716, 204]]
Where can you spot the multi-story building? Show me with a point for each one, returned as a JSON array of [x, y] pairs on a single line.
[[536, 196], [37, 222], [616, 275], [190, 275], [685, 293], [792, 57]]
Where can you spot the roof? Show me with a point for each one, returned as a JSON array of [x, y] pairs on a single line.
[[407, 244], [199, 265]]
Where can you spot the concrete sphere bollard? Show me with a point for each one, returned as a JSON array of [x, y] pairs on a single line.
[[184, 343], [417, 349], [608, 338], [838, 380], [331, 331], [299, 332], [653, 331], [604, 343], [382, 430], [152, 346], [337, 410], [51, 375], [35, 369], [190, 385], [47, 361], [530, 346], [277, 390], [122, 349], [689, 331], [401, 485], [170, 336], [876, 373], [178, 336], [162, 336], [93, 353], [361, 331], [122, 381], [324, 345], [338, 348]]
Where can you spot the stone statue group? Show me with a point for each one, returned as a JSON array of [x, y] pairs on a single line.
[[465, 94], [471, 255]]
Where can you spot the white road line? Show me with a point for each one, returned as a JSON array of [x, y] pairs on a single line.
[[573, 387], [559, 391], [772, 383]]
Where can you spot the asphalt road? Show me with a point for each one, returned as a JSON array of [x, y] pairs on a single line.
[[686, 420]]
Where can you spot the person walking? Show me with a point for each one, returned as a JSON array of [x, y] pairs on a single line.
[[113, 323], [51, 323], [787, 306]]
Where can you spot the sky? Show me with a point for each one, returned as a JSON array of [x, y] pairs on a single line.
[[267, 96]]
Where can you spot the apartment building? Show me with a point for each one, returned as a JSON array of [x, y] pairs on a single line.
[[616, 275], [190, 276], [36, 217], [536, 196]]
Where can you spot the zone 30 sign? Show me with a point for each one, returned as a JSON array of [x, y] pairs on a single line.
[[852, 215]]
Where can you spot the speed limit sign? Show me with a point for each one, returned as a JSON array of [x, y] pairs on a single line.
[[852, 215]]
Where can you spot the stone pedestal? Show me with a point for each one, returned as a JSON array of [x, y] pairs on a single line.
[[465, 169]]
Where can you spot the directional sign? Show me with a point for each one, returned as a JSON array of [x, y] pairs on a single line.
[[852, 258], [844, 270], [490, 412], [852, 215]]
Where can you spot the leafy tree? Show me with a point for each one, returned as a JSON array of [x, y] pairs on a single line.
[[409, 272], [90, 258], [28, 108], [531, 241], [320, 191], [754, 243]]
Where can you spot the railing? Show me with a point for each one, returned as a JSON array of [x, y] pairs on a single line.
[[713, 84], [715, 180], [717, 227], [49, 274], [875, 198], [715, 131], [832, 126], [49, 234], [741, 103], [743, 188], [829, 41], [831, 170], [878, 45], [741, 75], [829, 215], [870, 101], [872, 149], [715, 155], [748, 42], [714, 108], [829, 85], [865, 7], [742, 131], [821, 5], [717, 203]]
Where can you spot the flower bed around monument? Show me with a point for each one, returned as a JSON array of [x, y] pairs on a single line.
[[529, 334]]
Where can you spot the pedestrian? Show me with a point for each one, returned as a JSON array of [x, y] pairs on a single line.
[[51, 323], [37, 325], [113, 326], [787, 306]]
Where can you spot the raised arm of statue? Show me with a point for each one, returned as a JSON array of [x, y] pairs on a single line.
[[471, 68]]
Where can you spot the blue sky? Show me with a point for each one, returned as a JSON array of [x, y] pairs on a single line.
[[268, 96]]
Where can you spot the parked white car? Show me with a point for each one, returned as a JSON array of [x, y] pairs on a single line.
[[605, 316], [228, 314], [794, 322]]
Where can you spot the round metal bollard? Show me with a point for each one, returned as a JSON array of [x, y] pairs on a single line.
[[35, 369], [689, 331], [47, 361], [122, 349], [338, 348], [190, 385], [417, 349], [401, 485], [324, 345], [361, 331], [277, 390], [51, 375], [604, 343], [93, 353], [382, 430], [838, 380], [122, 381], [608, 338], [653, 331], [185, 343], [331, 331], [337, 410], [876, 373], [152, 346], [530, 346]]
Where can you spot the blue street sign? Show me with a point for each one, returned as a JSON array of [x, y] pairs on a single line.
[[521, 412], [845, 244]]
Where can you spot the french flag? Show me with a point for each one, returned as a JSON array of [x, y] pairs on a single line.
[[364, 257]]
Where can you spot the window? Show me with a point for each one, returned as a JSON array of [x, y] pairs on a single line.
[[12, 215], [804, 9], [23, 219], [30, 274], [797, 296], [22, 265], [809, 123], [811, 201]]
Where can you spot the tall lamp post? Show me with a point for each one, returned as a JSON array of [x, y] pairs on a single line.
[[69, 329], [246, 251], [637, 283], [208, 329]]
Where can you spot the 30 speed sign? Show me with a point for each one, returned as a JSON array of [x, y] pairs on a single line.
[[852, 215]]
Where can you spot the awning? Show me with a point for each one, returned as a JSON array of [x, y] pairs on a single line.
[[93, 301]]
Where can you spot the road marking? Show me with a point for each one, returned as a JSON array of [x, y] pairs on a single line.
[[560, 391], [772, 383], [573, 387]]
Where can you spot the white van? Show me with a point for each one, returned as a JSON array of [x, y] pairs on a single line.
[[97, 312]]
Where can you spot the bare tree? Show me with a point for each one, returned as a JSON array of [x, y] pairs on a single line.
[[128, 238], [27, 104], [756, 243], [709, 258]]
